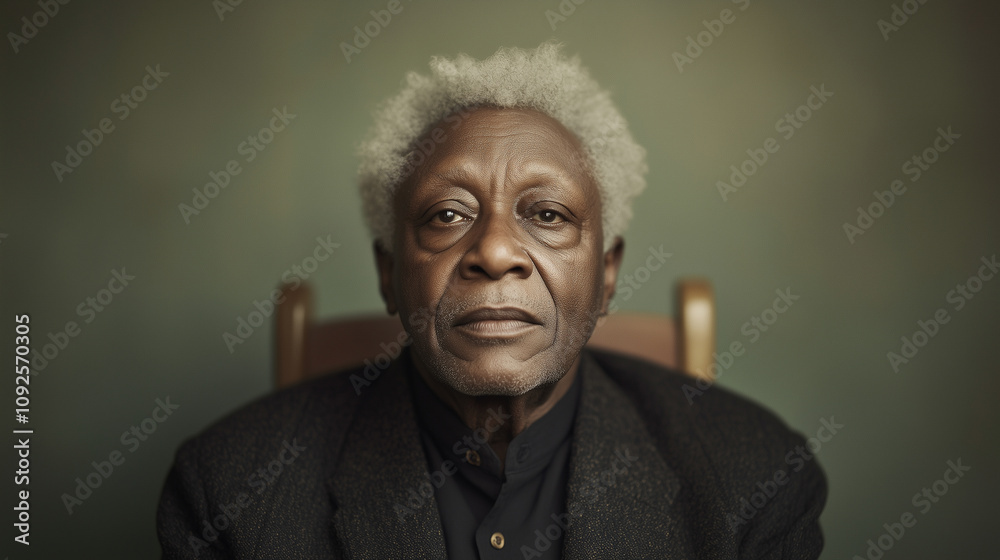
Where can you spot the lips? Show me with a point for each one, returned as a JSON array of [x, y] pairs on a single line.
[[491, 325], [500, 316]]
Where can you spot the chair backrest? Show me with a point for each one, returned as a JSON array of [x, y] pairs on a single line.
[[305, 348]]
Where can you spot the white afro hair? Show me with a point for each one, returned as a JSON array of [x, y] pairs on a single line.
[[542, 79]]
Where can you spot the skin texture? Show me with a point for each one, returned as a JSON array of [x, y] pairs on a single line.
[[502, 214]]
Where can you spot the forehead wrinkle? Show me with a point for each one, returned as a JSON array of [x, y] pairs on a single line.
[[541, 173], [465, 171], [454, 174], [521, 174], [548, 130], [521, 170], [498, 154]]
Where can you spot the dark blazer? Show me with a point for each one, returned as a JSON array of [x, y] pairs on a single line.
[[317, 471]]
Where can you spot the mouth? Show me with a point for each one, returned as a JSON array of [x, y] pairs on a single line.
[[489, 322]]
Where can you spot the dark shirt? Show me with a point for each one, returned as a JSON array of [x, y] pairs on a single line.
[[486, 514]]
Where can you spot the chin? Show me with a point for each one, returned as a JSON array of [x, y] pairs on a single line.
[[476, 381]]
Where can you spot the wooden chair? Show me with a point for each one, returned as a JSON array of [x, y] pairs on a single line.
[[306, 349]]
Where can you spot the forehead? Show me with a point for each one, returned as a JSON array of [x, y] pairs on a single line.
[[519, 125], [503, 144]]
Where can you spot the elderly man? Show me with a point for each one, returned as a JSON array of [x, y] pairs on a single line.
[[497, 192]]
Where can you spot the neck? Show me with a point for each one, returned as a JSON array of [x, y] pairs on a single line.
[[517, 412]]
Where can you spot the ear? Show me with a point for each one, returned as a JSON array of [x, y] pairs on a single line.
[[384, 263], [612, 264]]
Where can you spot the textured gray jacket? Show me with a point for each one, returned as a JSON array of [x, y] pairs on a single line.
[[317, 471]]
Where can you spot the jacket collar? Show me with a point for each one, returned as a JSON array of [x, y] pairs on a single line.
[[376, 485], [620, 489]]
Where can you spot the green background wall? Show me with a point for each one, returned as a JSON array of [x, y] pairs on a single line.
[[826, 356]]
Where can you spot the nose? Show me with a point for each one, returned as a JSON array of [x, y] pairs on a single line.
[[496, 250]]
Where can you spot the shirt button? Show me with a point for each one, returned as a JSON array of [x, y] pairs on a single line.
[[473, 458], [523, 453], [497, 540]]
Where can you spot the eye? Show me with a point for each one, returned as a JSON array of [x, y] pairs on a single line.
[[548, 216], [447, 216]]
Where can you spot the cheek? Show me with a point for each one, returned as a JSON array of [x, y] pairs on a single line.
[[422, 286], [414, 293], [576, 292]]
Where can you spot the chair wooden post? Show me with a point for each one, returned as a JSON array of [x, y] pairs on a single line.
[[695, 326], [292, 321]]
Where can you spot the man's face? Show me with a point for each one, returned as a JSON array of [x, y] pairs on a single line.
[[497, 269]]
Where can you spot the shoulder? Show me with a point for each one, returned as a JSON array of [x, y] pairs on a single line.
[[228, 481], [672, 402], [310, 418], [745, 476], [719, 442]]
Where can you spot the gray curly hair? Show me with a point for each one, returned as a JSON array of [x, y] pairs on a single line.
[[541, 79]]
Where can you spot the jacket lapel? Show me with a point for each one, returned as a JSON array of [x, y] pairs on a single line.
[[376, 487], [621, 491]]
